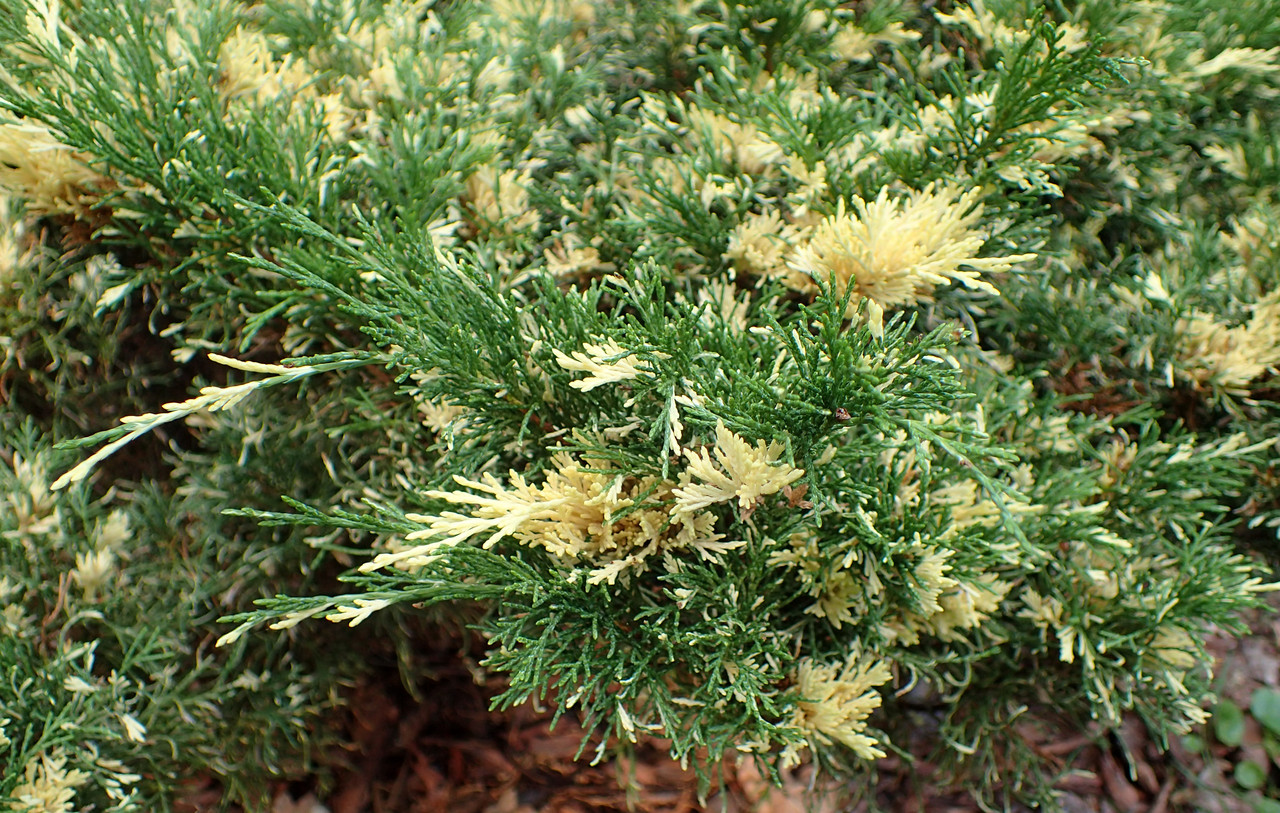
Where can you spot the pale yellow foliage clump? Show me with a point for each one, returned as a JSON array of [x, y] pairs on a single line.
[[1175, 648], [607, 362], [740, 472], [440, 416], [499, 200], [395, 36], [512, 16], [11, 252], [840, 595], [586, 511], [48, 786], [248, 68], [993, 32], [1230, 358], [722, 300], [249, 71], [741, 144], [760, 244], [48, 175], [959, 606], [48, 32], [989, 30], [968, 507], [856, 44], [811, 185], [1250, 60], [966, 606], [895, 252], [836, 700], [95, 568], [31, 502], [930, 576], [1043, 611], [569, 257]]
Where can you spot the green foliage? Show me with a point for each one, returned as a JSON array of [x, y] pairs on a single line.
[[1228, 724], [769, 377], [1265, 708]]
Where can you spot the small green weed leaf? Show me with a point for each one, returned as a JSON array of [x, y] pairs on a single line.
[[1272, 745], [1265, 706], [1250, 775], [1228, 724], [1262, 804]]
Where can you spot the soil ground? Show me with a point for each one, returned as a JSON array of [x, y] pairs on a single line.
[[448, 753]]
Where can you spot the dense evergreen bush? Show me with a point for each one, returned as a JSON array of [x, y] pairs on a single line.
[[793, 380]]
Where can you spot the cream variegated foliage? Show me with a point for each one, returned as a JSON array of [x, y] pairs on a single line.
[[587, 511], [50, 177], [498, 200], [738, 143], [835, 702], [760, 244], [1215, 354], [607, 362], [740, 472], [689, 179], [49, 786], [894, 252], [251, 73]]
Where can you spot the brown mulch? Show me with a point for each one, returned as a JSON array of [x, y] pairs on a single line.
[[448, 753]]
